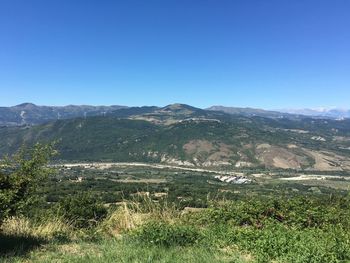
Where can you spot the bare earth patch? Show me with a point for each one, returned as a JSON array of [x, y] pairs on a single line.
[[326, 161], [207, 153], [196, 146], [278, 157]]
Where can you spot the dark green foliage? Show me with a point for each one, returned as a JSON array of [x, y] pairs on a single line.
[[20, 175], [165, 234], [284, 244], [300, 229], [298, 212], [81, 210]]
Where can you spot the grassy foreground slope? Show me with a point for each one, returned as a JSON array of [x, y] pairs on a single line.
[[113, 250], [311, 229]]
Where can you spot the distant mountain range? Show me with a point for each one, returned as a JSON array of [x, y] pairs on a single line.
[[322, 112], [250, 112], [333, 113], [180, 134], [31, 114]]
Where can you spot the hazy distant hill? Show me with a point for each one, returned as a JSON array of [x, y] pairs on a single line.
[[31, 114], [184, 135], [249, 112], [285, 113], [330, 113], [173, 113], [28, 113]]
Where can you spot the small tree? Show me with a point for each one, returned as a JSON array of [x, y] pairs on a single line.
[[19, 176]]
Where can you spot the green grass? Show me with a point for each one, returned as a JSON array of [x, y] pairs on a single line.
[[113, 250], [311, 229]]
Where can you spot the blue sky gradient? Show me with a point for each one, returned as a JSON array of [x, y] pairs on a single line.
[[269, 54]]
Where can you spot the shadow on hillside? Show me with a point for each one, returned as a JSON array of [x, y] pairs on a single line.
[[18, 245]]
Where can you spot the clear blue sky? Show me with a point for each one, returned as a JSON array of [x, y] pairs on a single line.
[[258, 53]]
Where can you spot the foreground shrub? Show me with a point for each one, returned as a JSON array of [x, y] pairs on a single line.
[[165, 234], [81, 210], [20, 175]]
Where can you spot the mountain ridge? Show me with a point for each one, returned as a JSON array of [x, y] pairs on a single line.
[[180, 134], [321, 112], [31, 114]]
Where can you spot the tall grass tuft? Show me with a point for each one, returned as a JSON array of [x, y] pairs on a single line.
[[20, 226], [132, 214]]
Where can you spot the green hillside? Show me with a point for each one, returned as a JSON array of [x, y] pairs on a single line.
[[181, 134]]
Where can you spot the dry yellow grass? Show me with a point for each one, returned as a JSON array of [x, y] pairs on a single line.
[[122, 220], [132, 214], [23, 227]]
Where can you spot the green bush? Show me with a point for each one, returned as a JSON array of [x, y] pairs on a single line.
[[165, 234], [20, 175], [81, 210]]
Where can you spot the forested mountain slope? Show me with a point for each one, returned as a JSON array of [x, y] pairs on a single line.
[[184, 135]]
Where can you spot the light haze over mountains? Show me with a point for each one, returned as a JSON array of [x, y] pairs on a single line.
[[323, 112], [29, 113]]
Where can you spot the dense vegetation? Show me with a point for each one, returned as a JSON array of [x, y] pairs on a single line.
[[78, 226], [183, 188], [300, 229], [113, 139]]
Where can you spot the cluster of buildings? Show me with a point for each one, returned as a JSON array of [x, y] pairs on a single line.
[[233, 179]]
